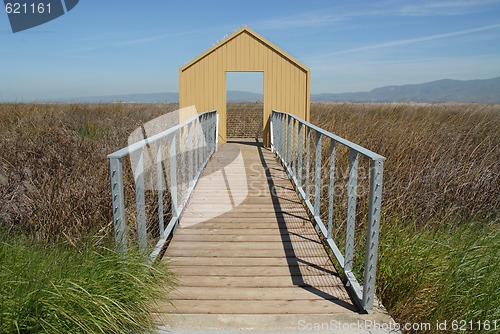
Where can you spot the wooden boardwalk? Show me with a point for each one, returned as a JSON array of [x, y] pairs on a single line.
[[245, 244]]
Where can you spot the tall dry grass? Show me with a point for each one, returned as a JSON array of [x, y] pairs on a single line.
[[439, 247], [244, 120], [439, 240], [54, 174], [443, 160]]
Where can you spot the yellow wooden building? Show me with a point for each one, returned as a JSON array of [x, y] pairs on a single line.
[[202, 81]]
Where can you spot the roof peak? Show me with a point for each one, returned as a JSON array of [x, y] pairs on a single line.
[[235, 34]]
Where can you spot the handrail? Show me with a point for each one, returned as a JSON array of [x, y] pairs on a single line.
[[287, 140], [184, 150]]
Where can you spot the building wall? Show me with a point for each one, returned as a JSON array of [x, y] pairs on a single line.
[[202, 82]]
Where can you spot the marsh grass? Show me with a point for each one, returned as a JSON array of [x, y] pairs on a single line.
[[439, 244], [54, 174], [437, 273], [93, 289], [443, 160], [58, 270], [439, 249]]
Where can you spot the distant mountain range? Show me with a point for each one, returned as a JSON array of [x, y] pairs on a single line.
[[480, 91], [447, 90]]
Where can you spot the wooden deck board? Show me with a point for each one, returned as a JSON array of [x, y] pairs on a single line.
[[245, 244], [263, 282], [252, 293], [248, 261], [261, 253], [244, 306], [244, 237], [236, 231]]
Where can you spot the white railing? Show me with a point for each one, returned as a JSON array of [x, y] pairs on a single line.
[[183, 151], [289, 134]]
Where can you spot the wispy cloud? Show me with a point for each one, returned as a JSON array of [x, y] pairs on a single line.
[[112, 41], [452, 7], [336, 15], [413, 40], [311, 19], [142, 40]]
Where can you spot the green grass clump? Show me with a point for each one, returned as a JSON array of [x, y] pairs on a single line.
[[436, 273], [56, 289]]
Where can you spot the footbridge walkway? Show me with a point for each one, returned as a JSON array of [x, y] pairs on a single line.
[[257, 237]]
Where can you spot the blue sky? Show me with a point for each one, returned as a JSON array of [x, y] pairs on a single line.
[[122, 47]]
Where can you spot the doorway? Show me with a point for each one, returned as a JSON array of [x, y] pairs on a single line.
[[244, 104]]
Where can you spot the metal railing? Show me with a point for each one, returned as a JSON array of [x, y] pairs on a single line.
[[183, 151], [288, 136]]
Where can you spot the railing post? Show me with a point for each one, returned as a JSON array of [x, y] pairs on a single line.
[[183, 167], [140, 200], [352, 185], [376, 176], [271, 130], [308, 163], [159, 177], [299, 157], [317, 176], [283, 138], [195, 148], [190, 155], [216, 131], [118, 202], [206, 151], [200, 145], [331, 189], [292, 148], [210, 135], [173, 174], [280, 133], [288, 140]]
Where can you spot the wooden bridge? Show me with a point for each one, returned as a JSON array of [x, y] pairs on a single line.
[[245, 251]]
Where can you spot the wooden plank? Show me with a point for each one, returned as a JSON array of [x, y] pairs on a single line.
[[250, 200], [248, 261], [255, 214], [243, 237], [244, 207], [247, 192], [317, 306], [261, 281], [243, 245], [241, 216], [295, 227], [305, 232], [240, 271], [178, 251], [249, 220], [242, 210], [223, 294]]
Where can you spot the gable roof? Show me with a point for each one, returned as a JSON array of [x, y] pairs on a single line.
[[252, 33]]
